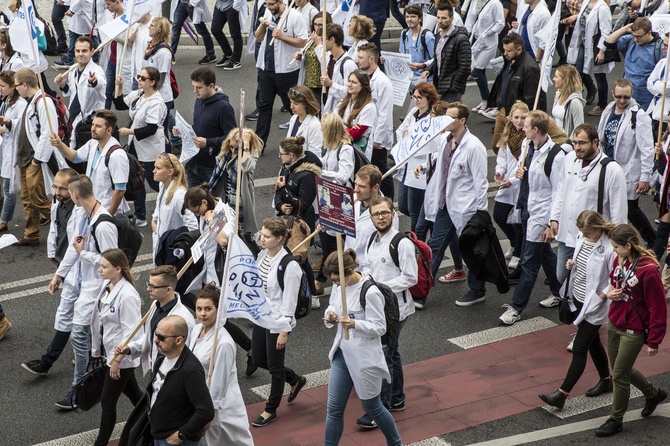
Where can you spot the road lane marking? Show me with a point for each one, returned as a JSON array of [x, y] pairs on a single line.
[[485, 337]]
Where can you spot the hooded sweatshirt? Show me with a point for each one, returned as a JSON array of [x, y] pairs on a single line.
[[573, 112], [213, 119]]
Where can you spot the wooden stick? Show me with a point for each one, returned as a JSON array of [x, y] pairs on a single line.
[[660, 124], [340, 265], [302, 51], [119, 88], [409, 156], [324, 63], [539, 86], [284, 16], [523, 155], [240, 153], [311, 236]]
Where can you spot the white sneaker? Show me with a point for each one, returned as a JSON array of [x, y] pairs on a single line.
[[140, 223], [491, 113], [510, 316], [572, 342], [513, 263], [480, 108], [316, 303], [509, 253], [549, 302]]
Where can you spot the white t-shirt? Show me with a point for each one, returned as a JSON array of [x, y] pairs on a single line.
[[558, 112], [159, 380], [162, 61], [151, 110]]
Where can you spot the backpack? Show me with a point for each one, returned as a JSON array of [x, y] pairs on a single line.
[[52, 43], [135, 181], [173, 78], [298, 230], [130, 238], [64, 124], [422, 36], [549, 162], [391, 309], [601, 183], [304, 305], [360, 159], [658, 55], [424, 260]]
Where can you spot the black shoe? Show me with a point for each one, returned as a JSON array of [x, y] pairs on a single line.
[[398, 407], [36, 367], [68, 402], [651, 403], [223, 61], [207, 60], [603, 386], [253, 116], [367, 422], [556, 399], [284, 110], [514, 276], [591, 95], [44, 221], [610, 428], [301, 383], [251, 367], [259, 421]]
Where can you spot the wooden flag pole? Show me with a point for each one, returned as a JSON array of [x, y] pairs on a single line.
[[660, 120], [302, 51], [119, 88], [340, 265], [324, 63], [539, 86], [523, 155], [284, 16], [310, 237]]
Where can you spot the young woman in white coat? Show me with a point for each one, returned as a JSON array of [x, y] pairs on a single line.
[[587, 285], [568, 109], [358, 362], [11, 60], [304, 122], [145, 135], [268, 347], [594, 18], [11, 107], [310, 61], [116, 314], [170, 175], [231, 424], [358, 111]]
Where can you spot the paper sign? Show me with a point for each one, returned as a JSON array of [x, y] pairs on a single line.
[[7, 240], [188, 147], [398, 71], [218, 222], [336, 207], [421, 133]]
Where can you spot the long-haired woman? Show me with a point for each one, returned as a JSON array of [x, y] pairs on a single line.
[[11, 60], [358, 111], [568, 109], [310, 62], [304, 122]]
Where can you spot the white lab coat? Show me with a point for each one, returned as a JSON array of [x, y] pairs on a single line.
[[506, 165], [294, 26], [541, 189], [575, 195], [382, 96], [310, 129], [8, 145], [407, 172], [379, 265], [168, 215], [144, 347], [201, 13], [364, 229], [633, 149], [339, 170], [117, 318], [537, 21], [86, 263], [598, 268], [363, 351], [655, 86], [283, 303], [82, 21], [91, 98], [230, 425], [484, 32], [145, 111], [599, 15], [104, 177], [139, 48], [15, 63]]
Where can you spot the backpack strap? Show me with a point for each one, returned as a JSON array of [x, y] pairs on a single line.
[[371, 240], [601, 183], [658, 52], [633, 119], [549, 162], [108, 156], [344, 60], [369, 282], [283, 264], [101, 218], [424, 31], [393, 248]]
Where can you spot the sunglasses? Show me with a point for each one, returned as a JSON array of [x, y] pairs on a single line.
[[142, 78], [294, 92], [162, 338], [622, 97], [167, 157]]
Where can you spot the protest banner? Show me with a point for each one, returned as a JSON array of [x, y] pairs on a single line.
[[398, 71], [336, 207]]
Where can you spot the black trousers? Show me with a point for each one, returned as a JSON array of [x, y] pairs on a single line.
[[587, 341], [55, 348], [638, 219], [239, 336], [380, 159], [126, 384], [272, 84], [266, 356], [514, 232]]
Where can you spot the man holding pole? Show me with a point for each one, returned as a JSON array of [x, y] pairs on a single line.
[[83, 16], [339, 68]]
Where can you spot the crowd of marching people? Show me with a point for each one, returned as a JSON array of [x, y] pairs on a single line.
[[568, 199]]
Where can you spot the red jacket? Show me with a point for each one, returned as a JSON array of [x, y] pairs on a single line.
[[646, 289]]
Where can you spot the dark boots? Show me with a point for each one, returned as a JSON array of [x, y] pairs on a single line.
[[556, 399]]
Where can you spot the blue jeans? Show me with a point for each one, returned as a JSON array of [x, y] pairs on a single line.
[[183, 443], [394, 393], [57, 14], [339, 389], [79, 340], [601, 79], [564, 254], [110, 75], [482, 83], [410, 202], [181, 13], [478, 287], [443, 235], [140, 201], [535, 255], [72, 36], [197, 174], [423, 226], [9, 202]]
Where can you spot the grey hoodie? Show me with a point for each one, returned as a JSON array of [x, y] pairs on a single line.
[[573, 114]]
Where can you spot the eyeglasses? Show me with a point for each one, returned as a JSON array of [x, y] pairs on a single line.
[[162, 338], [62, 189], [294, 92], [625, 97], [417, 98], [156, 287], [581, 143], [382, 214], [638, 37], [142, 78]]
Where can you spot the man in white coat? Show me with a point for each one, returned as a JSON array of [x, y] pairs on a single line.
[[385, 247], [85, 86], [198, 11], [625, 136], [590, 182], [336, 81], [83, 256], [536, 192], [532, 23], [161, 289]]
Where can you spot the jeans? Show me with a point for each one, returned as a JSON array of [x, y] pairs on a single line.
[[514, 232], [423, 226], [410, 202], [394, 393], [219, 19], [444, 232], [622, 349], [55, 348], [181, 13], [328, 246], [79, 340], [482, 83], [560, 45], [638, 219], [587, 341], [34, 200], [140, 201], [72, 37], [197, 174], [535, 254], [601, 79], [8, 204], [266, 356], [272, 84], [397, 14], [110, 75], [379, 158], [564, 254], [57, 14], [111, 391], [339, 389]]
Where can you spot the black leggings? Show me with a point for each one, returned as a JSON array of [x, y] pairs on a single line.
[[238, 335], [514, 232], [111, 391]]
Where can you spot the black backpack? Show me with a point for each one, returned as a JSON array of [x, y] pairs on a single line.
[[391, 309], [304, 306], [360, 159], [135, 173], [549, 162], [130, 238]]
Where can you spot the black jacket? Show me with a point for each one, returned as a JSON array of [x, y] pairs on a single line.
[[522, 84], [481, 251], [299, 190], [213, 119], [455, 62]]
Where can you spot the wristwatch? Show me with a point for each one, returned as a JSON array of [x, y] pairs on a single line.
[[181, 436]]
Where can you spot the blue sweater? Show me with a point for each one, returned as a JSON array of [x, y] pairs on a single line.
[[213, 119]]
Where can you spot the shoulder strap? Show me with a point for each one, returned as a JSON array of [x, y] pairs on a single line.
[[633, 119], [109, 153], [372, 239], [601, 183], [101, 218], [658, 52], [344, 60], [283, 264], [423, 42], [566, 109], [393, 248], [364, 290], [550, 159]]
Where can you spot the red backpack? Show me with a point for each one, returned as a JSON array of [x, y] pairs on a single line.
[[64, 124]]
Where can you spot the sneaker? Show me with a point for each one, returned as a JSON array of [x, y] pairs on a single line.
[[453, 276], [251, 367], [572, 342], [231, 65], [140, 223], [62, 64], [285, 126], [223, 61], [284, 110], [420, 303], [550, 302], [480, 108], [367, 422], [595, 111], [67, 402], [36, 367], [398, 407], [174, 60], [207, 60], [651, 403], [491, 113], [509, 253], [510, 316], [468, 299], [610, 428], [513, 262], [316, 303], [253, 116], [5, 327]]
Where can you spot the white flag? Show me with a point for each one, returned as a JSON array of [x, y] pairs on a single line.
[[551, 35], [23, 33], [243, 291], [422, 132], [138, 8]]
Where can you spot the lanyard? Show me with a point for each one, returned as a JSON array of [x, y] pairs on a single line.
[[622, 277]]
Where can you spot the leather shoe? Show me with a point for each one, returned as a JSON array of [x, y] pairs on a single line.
[[259, 421], [28, 242], [3, 227], [651, 403], [591, 95], [556, 399], [301, 383], [603, 386], [610, 428], [514, 276]]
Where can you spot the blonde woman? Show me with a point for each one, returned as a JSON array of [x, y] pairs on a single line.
[[359, 32], [568, 109]]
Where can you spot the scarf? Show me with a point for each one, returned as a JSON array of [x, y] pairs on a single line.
[[514, 140]]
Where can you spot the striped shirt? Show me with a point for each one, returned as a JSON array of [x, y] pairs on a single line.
[[581, 260], [264, 271]]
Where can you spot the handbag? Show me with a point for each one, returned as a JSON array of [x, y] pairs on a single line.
[[88, 389], [565, 314], [611, 54]]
